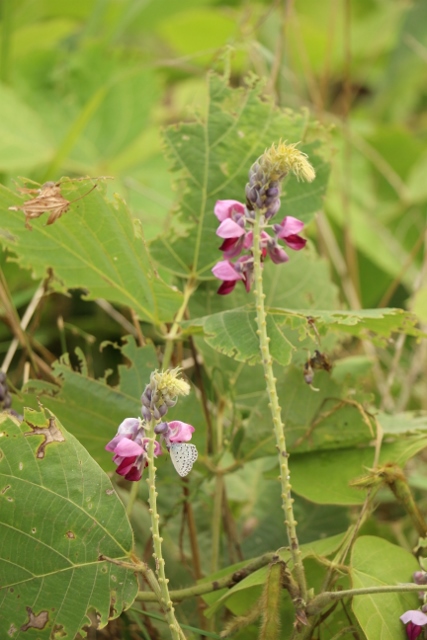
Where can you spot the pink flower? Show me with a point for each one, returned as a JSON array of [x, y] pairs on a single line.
[[178, 432], [229, 209], [288, 231], [230, 273], [415, 620], [130, 449], [231, 215]]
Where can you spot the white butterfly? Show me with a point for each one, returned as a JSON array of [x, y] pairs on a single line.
[[183, 456]]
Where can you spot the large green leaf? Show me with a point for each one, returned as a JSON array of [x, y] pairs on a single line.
[[324, 477], [93, 246], [234, 332], [59, 515], [213, 158], [377, 563]]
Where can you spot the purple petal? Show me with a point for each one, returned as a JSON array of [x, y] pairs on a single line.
[[129, 425], [224, 270], [232, 247], [295, 242], [226, 287], [111, 446], [414, 615], [224, 208], [134, 474], [277, 254], [229, 229], [125, 465]]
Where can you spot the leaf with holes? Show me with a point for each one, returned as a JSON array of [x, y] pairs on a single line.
[[59, 517], [94, 246]]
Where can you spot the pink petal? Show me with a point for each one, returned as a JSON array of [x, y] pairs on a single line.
[[127, 448], [415, 616], [180, 431], [290, 226], [224, 270], [229, 229], [249, 240], [223, 208]]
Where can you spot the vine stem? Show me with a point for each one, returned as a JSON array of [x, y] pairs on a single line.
[[170, 337], [279, 428], [166, 602]]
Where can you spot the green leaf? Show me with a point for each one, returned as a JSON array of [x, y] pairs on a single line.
[[315, 549], [315, 420], [334, 470], [376, 562], [90, 409], [213, 158], [233, 332], [25, 142], [93, 246], [59, 515]]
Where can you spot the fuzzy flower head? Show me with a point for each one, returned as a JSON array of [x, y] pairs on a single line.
[[267, 173], [169, 384], [279, 160], [162, 392]]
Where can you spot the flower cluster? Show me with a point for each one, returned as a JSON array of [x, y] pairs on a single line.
[[236, 219], [416, 619], [130, 444]]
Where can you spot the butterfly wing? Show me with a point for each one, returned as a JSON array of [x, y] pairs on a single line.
[[183, 456]]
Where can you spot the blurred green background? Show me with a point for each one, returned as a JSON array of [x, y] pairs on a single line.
[[86, 87]]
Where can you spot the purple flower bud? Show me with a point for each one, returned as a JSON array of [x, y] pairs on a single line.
[[420, 577], [162, 427], [156, 413], [146, 413]]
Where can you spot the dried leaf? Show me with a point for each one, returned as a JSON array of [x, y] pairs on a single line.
[[48, 199]]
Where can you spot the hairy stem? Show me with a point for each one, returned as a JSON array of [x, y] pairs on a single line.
[[166, 602], [279, 431]]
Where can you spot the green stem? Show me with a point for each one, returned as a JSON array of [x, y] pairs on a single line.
[[216, 521], [267, 361], [166, 602], [133, 494], [218, 494], [170, 338], [226, 582], [324, 599]]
